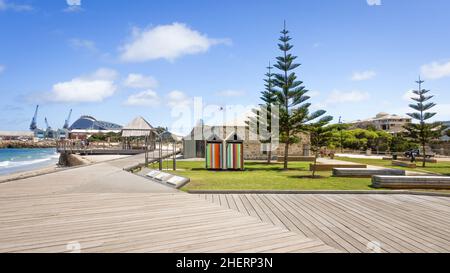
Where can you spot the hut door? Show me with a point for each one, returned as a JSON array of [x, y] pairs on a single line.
[[200, 149]]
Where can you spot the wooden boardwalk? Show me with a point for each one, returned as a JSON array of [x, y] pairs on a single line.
[[102, 208], [353, 223]]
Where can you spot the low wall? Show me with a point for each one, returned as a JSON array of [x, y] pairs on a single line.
[[330, 167], [441, 148], [297, 158]]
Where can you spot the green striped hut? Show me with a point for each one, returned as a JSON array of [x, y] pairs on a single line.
[[234, 152]]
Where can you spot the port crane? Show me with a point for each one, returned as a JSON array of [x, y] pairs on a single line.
[[33, 125], [49, 133], [66, 123]]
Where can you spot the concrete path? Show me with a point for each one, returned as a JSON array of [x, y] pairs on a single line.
[[106, 177], [335, 161]]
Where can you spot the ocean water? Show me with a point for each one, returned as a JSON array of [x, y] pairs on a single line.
[[20, 160]]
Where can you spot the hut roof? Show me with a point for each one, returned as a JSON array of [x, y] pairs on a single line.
[[137, 128], [234, 137], [214, 138]]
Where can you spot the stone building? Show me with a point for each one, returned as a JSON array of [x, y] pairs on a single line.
[[194, 144]]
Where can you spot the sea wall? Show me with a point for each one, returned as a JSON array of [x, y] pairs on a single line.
[[16, 144]]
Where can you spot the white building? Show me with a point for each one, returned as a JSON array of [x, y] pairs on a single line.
[[383, 121]]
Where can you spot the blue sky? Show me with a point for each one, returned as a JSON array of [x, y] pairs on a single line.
[[119, 59]]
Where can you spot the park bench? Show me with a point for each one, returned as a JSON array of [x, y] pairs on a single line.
[[297, 158], [330, 167], [355, 172], [411, 182]]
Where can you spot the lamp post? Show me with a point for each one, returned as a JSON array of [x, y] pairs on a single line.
[[341, 135]]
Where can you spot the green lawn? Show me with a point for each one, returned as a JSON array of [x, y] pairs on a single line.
[[260, 176], [437, 168]]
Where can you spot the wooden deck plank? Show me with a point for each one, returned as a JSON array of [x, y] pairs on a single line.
[[398, 216], [386, 224], [128, 223], [339, 239], [349, 222], [361, 227]]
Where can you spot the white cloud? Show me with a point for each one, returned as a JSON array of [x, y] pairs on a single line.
[[7, 5], [374, 2], [337, 97], [73, 6], [443, 112], [313, 94], [231, 93], [83, 44], [144, 98], [408, 95], [166, 42], [140, 81], [363, 75], [436, 70], [2, 68], [92, 88], [178, 98]]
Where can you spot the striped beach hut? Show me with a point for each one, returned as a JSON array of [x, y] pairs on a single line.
[[234, 152], [214, 153]]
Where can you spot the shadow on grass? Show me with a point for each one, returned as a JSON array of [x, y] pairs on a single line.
[[308, 177], [257, 166]]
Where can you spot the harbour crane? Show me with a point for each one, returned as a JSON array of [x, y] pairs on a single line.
[[33, 125], [48, 126], [66, 123], [49, 133]]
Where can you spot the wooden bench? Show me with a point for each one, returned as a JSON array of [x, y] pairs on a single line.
[[168, 179], [297, 158], [404, 164], [355, 172], [411, 182], [330, 167]]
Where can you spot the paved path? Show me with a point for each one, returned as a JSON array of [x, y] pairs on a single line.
[[341, 162], [353, 223], [102, 208]]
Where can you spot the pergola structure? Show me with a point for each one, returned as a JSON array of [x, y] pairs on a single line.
[[169, 141], [136, 131], [141, 134]]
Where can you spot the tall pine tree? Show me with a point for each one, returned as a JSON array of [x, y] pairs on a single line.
[[291, 97], [263, 114], [422, 132]]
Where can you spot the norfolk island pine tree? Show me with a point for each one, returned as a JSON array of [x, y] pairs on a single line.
[[422, 132], [263, 114], [291, 96]]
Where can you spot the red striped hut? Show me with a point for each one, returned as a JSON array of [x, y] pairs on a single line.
[[214, 153]]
